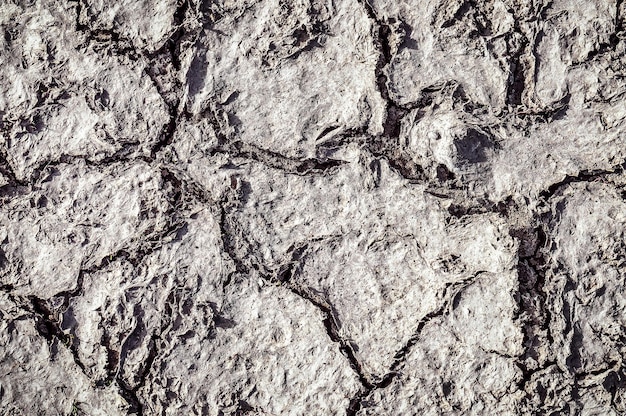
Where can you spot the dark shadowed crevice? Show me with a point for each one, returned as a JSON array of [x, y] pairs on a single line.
[[47, 316], [332, 329], [284, 277], [113, 359], [386, 144], [532, 312], [103, 39], [167, 134], [519, 47], [533, 266], [47, 326], [357, 402], [286, 164], [583, 176], [164, 64]]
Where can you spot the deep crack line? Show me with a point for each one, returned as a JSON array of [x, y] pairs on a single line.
[[284, 278], [451, 291], [277, 161], [383, 144], [104, 37], [583, 176], [49, 329], [109, 38], [531, 280], [332, 329], [131, 394]]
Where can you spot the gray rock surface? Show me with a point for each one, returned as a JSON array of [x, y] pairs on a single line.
[[309, 207]]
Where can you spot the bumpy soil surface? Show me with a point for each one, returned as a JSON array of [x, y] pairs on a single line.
[[312, 207]]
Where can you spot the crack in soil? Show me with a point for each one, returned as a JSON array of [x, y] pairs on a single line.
[[357, 402], [583, 176], [531, 267]]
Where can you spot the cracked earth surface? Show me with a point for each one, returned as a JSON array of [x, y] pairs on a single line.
[[312, 207]]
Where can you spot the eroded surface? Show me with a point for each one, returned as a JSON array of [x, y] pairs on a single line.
[[315, 207]]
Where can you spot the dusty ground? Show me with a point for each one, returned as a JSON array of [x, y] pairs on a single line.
[[311, 207]]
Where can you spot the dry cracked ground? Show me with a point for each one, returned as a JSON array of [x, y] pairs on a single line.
[[312, 207]]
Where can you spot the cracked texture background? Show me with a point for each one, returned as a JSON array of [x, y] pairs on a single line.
[[312, 207]]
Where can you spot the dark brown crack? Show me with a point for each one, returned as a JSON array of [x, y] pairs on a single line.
[[114, 43], [163, 63], [615, 381], [583, 176], [7, 288], [381, 146], [148, 245], [174, 42], [131, 394], [285, 276], [476, 207], [49, 329], [239, 149], [480, 207], [290, 165], [357, 402], [531, 299], [385, 145], [123, 155], [332, 328], [103, 39], [463, 9], [278, 161], [128, 392], [544, 115], [483, 206], [189, 189], [113, 358], [533, 313], [338, 136], [517, 66], [167, 134], [132, 399], [399, 162]]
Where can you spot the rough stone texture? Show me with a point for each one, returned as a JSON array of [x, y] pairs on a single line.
[[309, 207]]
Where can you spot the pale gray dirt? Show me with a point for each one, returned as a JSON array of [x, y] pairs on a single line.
[[312, 207]]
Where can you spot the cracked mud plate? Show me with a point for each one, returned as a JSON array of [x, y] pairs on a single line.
[[311, 207]]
